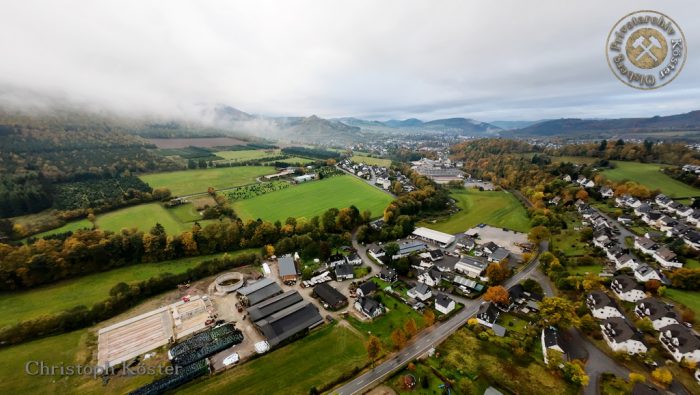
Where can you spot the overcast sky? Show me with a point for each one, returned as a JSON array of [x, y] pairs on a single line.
[[488, 60]]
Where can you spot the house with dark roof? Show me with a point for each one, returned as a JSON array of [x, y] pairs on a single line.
[[621, 336], [602, 306], [335, 260], [645, 245], [420, 292], [488, 314], [644, 273], [660, 314], [667, 258], [465, 242], [431, 277], [344, 272], [288, 322], [627, 288], [273, 305], [499, 255], [354, 259], [490, 247], [522, 300], [388, 274], [681, 342], [367, 288], [369, 307], [444, 303], [287, 269], [331, 298], [552, 341]]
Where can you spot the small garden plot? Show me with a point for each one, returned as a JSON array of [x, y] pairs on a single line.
[[395, 318]]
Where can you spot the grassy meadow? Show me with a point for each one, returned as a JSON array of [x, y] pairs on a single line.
[[650, 175], [143, 217], [188, 182], [313, 198], [86, 290], [691, 299], [496, 208]]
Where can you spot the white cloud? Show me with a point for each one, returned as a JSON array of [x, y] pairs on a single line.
[[487, 60]]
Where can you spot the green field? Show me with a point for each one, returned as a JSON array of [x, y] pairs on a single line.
[[244, 155], [396, 316], [86, 290], [649, 175], [188, 182], [368, 160], [691, 299], [315, 360], [496, 208], [143, 217], [313, 198], [295, 159], [69, 227], [185, 213]]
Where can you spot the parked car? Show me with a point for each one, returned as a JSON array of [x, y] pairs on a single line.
[[232, 359]]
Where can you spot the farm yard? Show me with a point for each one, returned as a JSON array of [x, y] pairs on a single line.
[[326, 354], [368, 160], [650, 175], [313, 198], [187, 182], [495, 208]]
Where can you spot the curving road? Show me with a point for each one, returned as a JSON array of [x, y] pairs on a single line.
[[429, 338]]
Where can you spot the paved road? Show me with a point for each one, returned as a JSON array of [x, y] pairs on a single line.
[[624, 232], [428, 338]]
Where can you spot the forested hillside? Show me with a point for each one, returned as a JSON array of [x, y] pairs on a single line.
[[39, 153]]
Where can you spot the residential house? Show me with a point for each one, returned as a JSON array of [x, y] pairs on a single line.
[[602, 306], [662, 200], [354, 259], [567, 178], [644, 273], [645, 245], [388, 275], [606, 192], [444, 304], [366, 289], [465, 242], [555, 200], [692, 239], [420, 292], [667, 258], [643, 209], [551, 340], [621, 336], [335, 260], [369, 307], [660, 314], [471, 266], [627, 288], [344, 272], [431, 277], [681, 342], [490, 247], [488, 314], [499, 255], [623, 260]]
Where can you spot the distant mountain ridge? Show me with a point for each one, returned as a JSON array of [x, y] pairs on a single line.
[[565, 126]]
